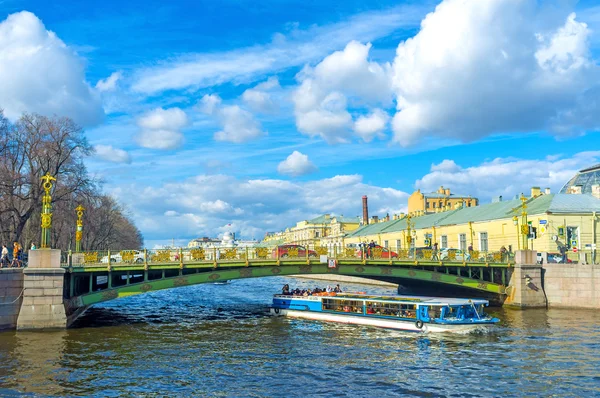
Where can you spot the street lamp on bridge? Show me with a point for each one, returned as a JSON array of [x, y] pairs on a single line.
[[46, 216], [79, 232]]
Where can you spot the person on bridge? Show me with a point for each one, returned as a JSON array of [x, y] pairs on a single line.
[[4, 259], [17, 250], [434, 253]]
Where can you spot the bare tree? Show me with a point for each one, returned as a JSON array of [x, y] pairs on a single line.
[[36, 145]]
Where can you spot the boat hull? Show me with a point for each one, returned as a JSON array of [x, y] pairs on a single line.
[[409, 326]]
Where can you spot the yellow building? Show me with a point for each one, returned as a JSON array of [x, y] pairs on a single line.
[[325, 230], [560, 220], [441, 200], [312, 232], [339, 227]]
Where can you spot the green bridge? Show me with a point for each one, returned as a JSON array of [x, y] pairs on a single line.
[[94, 277]]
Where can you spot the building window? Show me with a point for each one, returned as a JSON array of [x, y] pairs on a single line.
[[398, 244], [444, 241], [483, 241], [462, 242], [427, 204], [316, 234], [385, 244], [434, 205]]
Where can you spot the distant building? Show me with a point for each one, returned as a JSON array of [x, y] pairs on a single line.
[[586, 181], [227, 240], [202, 243], [433, 202]]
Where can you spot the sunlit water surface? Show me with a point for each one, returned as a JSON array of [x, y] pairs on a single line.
[[218, 340]]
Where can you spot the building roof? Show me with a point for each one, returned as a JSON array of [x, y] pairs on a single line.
[[326, 219], [586, 178], [544, 204], [593, 168], [436, 195]]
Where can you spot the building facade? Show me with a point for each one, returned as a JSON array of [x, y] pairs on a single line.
[[440, 200], [560, 220]]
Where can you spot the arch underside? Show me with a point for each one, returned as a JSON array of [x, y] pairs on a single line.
[[376, 272]]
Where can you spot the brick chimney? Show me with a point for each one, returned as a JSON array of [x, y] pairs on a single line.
[[365, 210]]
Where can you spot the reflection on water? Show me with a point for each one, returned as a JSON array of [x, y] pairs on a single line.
[[218, 340]]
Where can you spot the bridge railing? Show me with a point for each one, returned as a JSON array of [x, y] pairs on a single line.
[[283, 253]]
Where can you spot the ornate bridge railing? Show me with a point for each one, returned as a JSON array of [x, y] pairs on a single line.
[[99, 276], [271, 255]]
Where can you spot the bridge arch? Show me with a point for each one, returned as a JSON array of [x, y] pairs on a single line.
[[222, 274]]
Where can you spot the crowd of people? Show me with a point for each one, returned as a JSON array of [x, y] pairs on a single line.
[[17, 256], [308, 292]]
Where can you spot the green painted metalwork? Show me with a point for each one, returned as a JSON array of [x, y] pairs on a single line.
[[231, 273]]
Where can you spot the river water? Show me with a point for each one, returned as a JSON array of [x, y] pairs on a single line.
[[218, 340]]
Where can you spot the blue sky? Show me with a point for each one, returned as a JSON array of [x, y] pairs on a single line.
[[205, 114]]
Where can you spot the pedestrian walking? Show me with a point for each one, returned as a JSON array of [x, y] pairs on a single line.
[[17, 249], [434, 254], [4, 257]]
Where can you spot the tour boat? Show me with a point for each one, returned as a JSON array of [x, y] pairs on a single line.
[[410, 313]]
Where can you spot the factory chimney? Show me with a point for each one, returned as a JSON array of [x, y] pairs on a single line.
[[365, 210]]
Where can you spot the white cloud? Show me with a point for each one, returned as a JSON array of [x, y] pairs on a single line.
[[112, 154], [297, 48], [371, 126], [210, 104], [40, 73], [238, 125], [203, 205], [320, 102], [110, 83], [482, 67], [259, 98], [506, 176], [296, 164], [160, 128]]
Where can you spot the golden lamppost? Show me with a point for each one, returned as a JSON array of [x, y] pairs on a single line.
[[524, 225], [79, 232], [409, 225], [516, 223], [46, 211]]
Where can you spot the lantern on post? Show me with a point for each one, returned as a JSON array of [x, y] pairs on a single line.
[[79, 231], [46, 216]]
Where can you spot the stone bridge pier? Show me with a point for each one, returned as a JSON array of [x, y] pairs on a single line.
[[42, 305], [526, 286]]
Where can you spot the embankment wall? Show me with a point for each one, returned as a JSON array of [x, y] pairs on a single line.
[[11, 297], [572, 285]]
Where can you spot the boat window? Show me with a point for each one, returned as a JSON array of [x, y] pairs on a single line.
[[355, 306], [391, 309], [435, 312]]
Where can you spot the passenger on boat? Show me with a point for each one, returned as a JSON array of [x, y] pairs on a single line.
[[337, 288], [328, 289], [285, 289], [346, 308], [370, 310]]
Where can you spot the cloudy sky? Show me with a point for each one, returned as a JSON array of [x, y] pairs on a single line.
[[261, 114]]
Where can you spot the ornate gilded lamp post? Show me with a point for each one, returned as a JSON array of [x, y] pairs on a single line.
[[79, 232], [46, 210], [408, 233], [524, 225]]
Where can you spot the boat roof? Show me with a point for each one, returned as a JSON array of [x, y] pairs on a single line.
[[415, 299], [406, 299]]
